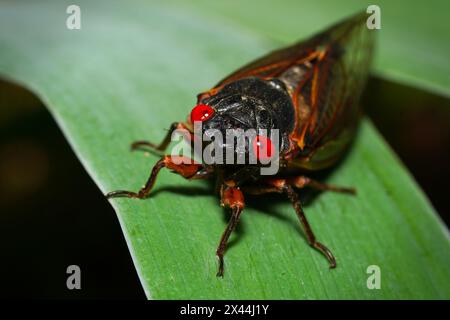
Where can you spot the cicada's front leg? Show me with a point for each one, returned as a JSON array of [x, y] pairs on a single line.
[[231, 197], [295, 200], [286, 186], [183, 166]]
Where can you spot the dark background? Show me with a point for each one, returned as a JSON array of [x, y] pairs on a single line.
[[53, 215]]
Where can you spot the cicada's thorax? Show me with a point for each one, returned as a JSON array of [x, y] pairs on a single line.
[[253, 103]]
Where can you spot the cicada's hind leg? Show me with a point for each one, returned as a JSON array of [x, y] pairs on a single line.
[[184, 166], [231, 197], [166, 141], [303, 181]]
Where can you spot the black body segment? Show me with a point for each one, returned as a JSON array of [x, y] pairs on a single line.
[[324, 77]]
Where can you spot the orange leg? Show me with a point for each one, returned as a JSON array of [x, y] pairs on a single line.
[[182, 165], [231, 197]]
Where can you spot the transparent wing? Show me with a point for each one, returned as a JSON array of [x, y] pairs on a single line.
[[330, 97]]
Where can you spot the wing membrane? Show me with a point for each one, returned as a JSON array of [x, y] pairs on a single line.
[[325, 76]]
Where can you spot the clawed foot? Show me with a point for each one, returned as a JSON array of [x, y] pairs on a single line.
[[124, 194]]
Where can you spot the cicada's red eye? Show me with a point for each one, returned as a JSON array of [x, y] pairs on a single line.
[[201, 112], [263, 148]]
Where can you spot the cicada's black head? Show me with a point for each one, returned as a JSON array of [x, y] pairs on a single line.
[[248, 113]]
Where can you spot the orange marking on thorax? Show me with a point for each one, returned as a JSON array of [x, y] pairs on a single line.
[[320, 55]]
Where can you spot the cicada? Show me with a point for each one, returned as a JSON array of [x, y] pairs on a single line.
[[309, 92]]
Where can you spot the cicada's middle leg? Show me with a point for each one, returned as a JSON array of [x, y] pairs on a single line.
[[230, 197]]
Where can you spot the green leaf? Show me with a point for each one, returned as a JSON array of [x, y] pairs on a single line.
[[135, 67]]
